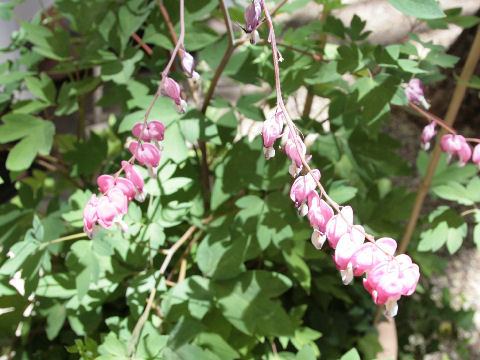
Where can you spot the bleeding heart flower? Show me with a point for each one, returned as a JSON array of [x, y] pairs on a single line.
[[456, 145], [146, 154], [427, 134], [339, 225], [272, 130], [301, 188], [319, 213], [414, 93]]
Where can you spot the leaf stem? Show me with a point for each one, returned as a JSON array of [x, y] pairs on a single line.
[[65, 238]]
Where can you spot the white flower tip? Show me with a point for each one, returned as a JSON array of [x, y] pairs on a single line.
[[140, 196], [269, 152], [303, 209], [196, 77], [152, 172], [182, 108], [424, 103], [347, 274], [318, 239], [426, 146], [122, 225], [391, 308], [293, 170]]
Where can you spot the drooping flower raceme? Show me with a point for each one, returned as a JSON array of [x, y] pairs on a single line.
[[116, 191], [415, 94], [456, 145], [272, 130]]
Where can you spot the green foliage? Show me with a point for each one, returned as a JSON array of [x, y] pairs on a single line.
[[247, 281], [423, 9]]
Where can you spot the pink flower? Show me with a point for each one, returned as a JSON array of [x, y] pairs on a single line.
[[252, 15], [346, 247], [107, 182], [476, 155], [118, 200], [456, 145], [319, 213], [132, 174], [427, 134], [294, 155], [272, 130], [370, 254], [90, 217], [414, 93], [106, 212], [301, 188], [390, 279], [146, 154], [339, 225], [154, 130], [171, 89]]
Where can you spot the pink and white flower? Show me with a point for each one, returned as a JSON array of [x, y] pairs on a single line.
[[272, 130], [146, 154], [415, 94], [456, 145], [339, 225], [319, 213], [427, 134], [301, 188]]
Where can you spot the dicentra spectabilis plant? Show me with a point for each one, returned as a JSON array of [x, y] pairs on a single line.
[[203, 180]]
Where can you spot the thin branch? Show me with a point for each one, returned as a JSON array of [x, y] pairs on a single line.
[[457, 99], [228, 21], [144, 317], [144, 46]]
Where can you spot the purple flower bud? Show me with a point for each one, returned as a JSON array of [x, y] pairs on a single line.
[[252, 15]]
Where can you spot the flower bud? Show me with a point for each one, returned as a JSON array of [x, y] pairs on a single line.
[[294, 154], [171, 89], [301, 188], [272, 130], [414, 93], [427, 134], [252, 15]]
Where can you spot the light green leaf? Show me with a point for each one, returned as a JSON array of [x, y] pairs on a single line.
[[36, 135], [352, 354], [454, 191], [423, 9]]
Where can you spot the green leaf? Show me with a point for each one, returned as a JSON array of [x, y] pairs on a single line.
[[454, 191], [36, 137], [447, 227], [55, 318], [246, 303], [352, 354], [42, 87], [83, 261], [476, 236], [423, 9]]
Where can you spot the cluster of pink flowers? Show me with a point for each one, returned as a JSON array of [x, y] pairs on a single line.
[[116, 191], [452, 144], [387, 277]]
